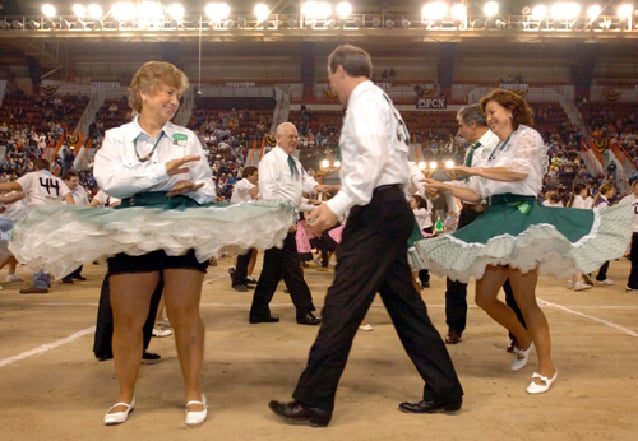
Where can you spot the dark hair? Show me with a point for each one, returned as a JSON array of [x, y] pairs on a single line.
[[41, 164], [70, 174], [473, 113], [354, 60], [521, 112], [248, 171], [420, 202]]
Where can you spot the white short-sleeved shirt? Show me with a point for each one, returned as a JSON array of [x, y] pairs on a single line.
[[41, 187], [80, 197], [120, 173], [525, 152]]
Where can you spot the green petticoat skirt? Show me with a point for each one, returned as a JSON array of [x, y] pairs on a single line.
[[59, 238], [517, 231]]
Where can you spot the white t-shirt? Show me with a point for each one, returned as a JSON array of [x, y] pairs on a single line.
[[41, 187]]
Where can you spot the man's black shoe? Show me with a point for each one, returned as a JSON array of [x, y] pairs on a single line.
[[299, 412], [240, 287], [67, 280], [432, 406], [103, 357], [150, 357], [80, 277], [253, 319], [249, 280], [308, 319]]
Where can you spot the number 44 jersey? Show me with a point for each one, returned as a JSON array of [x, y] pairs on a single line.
[[41, 187]]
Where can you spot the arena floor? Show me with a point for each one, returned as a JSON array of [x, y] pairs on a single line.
[[53, 389]]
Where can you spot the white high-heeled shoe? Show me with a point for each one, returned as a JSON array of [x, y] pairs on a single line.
[[521, 358], [535, 388], [112, 419], [196, 418]]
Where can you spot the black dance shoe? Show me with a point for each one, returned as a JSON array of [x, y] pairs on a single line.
[[300, 413]]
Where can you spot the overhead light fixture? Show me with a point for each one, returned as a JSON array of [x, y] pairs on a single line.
[[48, 10], [490, 9], [261, 12]]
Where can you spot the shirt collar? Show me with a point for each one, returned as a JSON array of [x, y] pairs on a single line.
[[134, 130]]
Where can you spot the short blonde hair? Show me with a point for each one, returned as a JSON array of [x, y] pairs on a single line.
[[150, 75]]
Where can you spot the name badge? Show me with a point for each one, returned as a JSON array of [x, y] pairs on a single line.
[[180, 139]]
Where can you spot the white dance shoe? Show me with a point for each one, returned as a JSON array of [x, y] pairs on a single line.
[[521, 358], [194, 419], [535, 388], [114, 418]]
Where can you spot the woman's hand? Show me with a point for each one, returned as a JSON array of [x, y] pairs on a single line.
[[182, 187], [175, 166]]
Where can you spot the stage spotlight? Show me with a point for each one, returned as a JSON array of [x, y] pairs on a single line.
[[48, 10]]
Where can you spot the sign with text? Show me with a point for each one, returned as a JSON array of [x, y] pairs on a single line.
[[431, 103]]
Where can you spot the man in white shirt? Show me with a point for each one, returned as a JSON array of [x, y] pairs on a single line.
[[245, 190], [372, 256], [472, 127], [281, 176], [40, 187], [80, 197]]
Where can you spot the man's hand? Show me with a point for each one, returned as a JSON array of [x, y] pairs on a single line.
[[175, 166], [322, 217], [326, 188], [183, 187]]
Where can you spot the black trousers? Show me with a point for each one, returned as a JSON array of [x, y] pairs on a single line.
[[371, 258], [282, 263], [104, 325], [456, 294], [632, 281], [241, 267], [602, 271]]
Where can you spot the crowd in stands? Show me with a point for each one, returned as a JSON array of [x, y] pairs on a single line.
[[235, 136]]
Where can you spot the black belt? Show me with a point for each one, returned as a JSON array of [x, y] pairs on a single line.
[[381, 188], [478, 208], [509, 199]]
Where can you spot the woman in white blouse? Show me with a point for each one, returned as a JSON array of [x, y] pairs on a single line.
[[152, 162], [517, 237]]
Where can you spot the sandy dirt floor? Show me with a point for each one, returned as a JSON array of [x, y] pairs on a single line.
[[52, 388]]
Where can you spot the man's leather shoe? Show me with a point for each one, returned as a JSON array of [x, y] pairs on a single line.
[[249, 280], [67, 280], [80, 277], [150, 357], [33, 290], [240, 287], [453, 338], [253, 319], [299, 412], [432, 406], [308, 319]]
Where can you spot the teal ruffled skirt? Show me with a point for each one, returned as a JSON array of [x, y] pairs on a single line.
[[59, 238], [517, 231]]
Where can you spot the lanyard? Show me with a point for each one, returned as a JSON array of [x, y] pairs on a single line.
[[148, 156], [502, 146]]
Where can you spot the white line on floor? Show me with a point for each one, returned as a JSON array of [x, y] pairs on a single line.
[[47, 346], [622, 329]]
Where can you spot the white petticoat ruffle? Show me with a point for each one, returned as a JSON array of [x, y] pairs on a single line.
[[540, 247], [59, 238]]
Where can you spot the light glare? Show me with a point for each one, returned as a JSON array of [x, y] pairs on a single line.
[[625, 11], [123, 11], [434, 11], [593, 12], [48, 10], [176, 12], [344, 9], [261, 11], [490, 9], [564, 11], [94, 11], [217, 12]]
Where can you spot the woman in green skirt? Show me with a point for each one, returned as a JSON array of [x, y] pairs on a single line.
[[516, 237]]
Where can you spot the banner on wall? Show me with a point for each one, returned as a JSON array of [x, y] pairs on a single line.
[[431, 103]]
